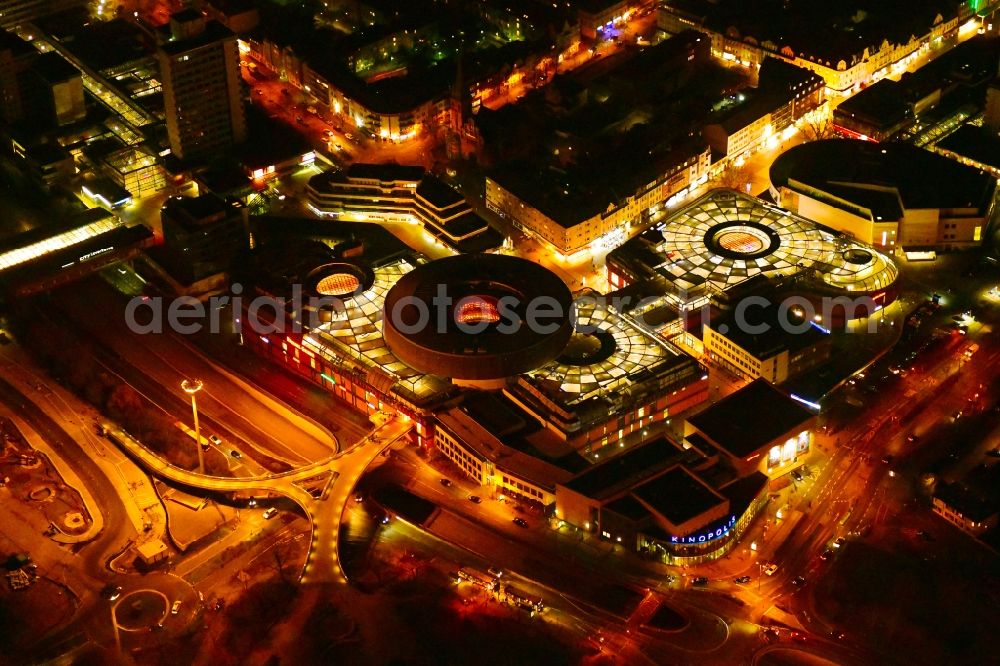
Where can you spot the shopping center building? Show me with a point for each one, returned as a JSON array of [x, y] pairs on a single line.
[[894, 196], [725, 239], [590, 382]]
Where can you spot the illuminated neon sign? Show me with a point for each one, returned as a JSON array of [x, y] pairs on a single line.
[[711, 535]]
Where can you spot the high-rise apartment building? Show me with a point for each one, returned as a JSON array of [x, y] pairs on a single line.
[[199, 68]]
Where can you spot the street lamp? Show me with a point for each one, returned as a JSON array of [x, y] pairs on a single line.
[[192, 386]]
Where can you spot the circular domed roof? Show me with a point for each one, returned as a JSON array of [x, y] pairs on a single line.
[[477, 317], [339, 280]]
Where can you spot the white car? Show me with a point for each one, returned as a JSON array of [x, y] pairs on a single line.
[[176, 608], [270, 513], [770, 569]]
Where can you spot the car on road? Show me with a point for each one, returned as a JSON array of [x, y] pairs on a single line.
[[176, 608], [475, 499], [887, 460], [446, 483], [826, 554], [270, 513], [235, 454], [840, 541], [359, 498], [699, 581], [797, 475], [496, 573], [741, 579], [212, 439], [770, 569], [520, 522], [912, 439], [798, 581]]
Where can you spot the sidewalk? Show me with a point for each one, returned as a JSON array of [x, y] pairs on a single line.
[[77, 419], [69, 476]]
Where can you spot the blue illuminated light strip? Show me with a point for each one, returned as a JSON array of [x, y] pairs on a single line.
[[805, 402]]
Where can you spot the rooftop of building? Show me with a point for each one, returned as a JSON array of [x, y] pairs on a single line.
[[757, 104], [372, 242], [518, 430], [974, 143], [387, 172], [627, 361], [976, 497], [881, 104], [438, 193], [233, 7], [640, 110], [777, 337], [677, 495], [213, 32], [778, 73], [54, 226], [630, 468], [101, 45], [571, 195], [597, 6], [924, 180], [186, 15], [506, 458], [726, 238], [193, 209], [47, 153], [827, 32], [272, 142], [465, 231], [17, 46], [751, 418]]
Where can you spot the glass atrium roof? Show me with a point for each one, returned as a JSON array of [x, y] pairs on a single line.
[[725, 238], [634, 351]]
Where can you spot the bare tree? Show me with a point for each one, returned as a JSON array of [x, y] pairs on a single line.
[[734, 177], [818, 128]]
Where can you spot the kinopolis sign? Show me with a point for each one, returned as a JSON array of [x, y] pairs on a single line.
[[711, 535]]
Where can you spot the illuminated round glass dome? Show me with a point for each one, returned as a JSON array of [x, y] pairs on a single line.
[[338, 284], [477, 310]]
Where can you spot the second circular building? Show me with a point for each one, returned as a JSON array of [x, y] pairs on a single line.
[[477, 318]]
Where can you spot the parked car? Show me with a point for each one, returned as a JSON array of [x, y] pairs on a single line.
[[176, 608], [520, 522], [475, 499]]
